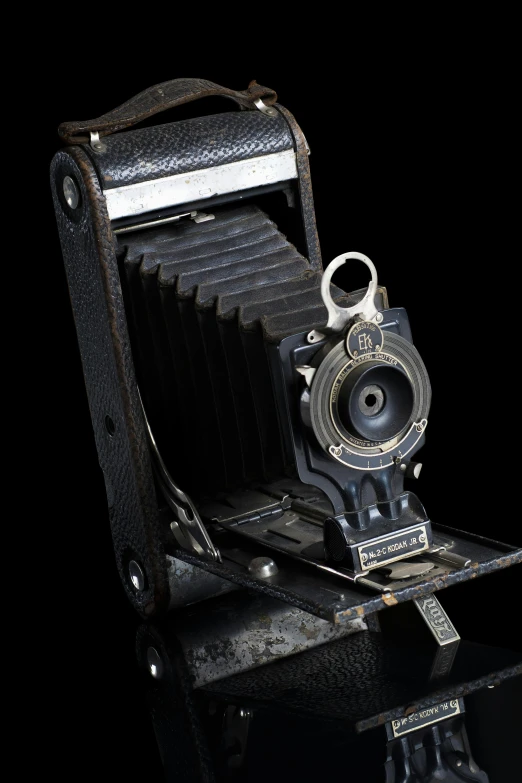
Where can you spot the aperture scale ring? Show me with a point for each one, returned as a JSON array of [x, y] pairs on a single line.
[[333, 437]]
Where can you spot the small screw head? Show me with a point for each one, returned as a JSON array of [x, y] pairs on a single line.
[[98, 146], [458, 763], [271, 111], [71, 192], [356, 353], [137, 576], [379, 317], [262, 567], [155, 663]]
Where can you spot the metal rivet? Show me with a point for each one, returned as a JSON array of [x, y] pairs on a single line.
[[379, 317], [313, 336], [137, 576], [96, 144], [262, 567], [71, 192], [155, 663], [458, 762]]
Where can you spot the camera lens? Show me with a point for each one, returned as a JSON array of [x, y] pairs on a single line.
[[375, 401], [369, 403]]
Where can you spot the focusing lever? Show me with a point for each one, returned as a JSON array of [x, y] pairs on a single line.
[[338, 317]]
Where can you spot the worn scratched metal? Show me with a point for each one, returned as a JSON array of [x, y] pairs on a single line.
[[340, 600], [243, 631]]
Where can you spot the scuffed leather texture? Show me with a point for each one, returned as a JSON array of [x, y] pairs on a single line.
[[92, 273], [179, 147], [158, 98], [101, 324]]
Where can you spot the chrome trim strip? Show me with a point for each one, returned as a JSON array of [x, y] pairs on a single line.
[[195, 185]]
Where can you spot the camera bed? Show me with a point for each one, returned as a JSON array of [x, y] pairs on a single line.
[[330, 595]]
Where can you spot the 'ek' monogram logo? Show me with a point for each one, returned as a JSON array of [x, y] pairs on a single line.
[[438, 621], [365, 341]]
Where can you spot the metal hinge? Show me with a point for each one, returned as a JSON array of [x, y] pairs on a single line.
[[274, 512]]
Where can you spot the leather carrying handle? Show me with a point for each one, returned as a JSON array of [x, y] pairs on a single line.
[[159, 98]]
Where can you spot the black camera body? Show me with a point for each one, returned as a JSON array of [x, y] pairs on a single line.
[[255, 424]]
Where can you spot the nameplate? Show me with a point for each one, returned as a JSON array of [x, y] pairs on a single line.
[[388, 549], [418, 720]]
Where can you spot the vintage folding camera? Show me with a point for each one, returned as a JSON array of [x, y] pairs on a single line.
[[256, 425]]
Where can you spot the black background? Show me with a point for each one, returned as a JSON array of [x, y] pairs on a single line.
[[409, 167]]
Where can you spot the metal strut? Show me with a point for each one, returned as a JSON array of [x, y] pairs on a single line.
[[188, 528]]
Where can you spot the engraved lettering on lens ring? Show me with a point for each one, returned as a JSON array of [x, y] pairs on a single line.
[[364, 337], [383, 459], [355, 452]]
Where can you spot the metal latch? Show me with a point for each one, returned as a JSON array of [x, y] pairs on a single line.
[[187, 526]]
